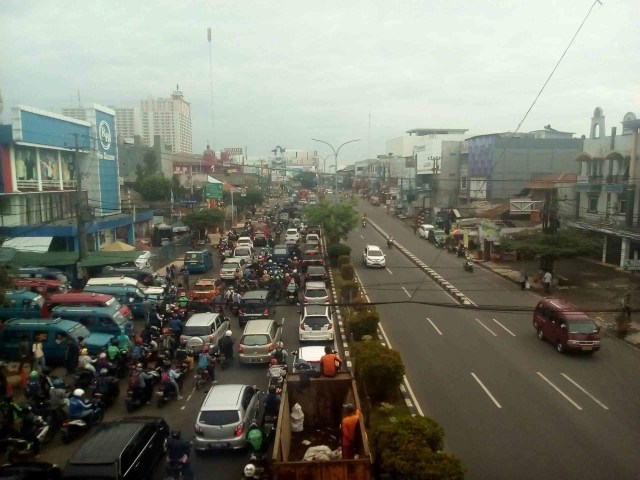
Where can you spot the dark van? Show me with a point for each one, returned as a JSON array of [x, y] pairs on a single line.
[[96, 319], [126, 449], [83, 299], [21, 304], [55, 335], [256, 304], [565, 327], [280, 254], [42, 272]]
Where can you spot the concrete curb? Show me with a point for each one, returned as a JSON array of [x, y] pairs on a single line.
[[442, 283]]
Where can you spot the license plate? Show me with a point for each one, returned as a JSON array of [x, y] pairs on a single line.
[[587, 348], [216, 446]]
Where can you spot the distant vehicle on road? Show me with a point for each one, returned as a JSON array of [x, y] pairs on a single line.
[[424, 229]]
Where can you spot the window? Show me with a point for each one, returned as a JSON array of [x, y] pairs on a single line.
[[622, 207], [463, 182], [593, 205]]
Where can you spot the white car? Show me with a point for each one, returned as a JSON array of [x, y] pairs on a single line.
[[316, 324], [313, 238], [228, 270], [244, 242], [373, 256], [423, 230], [243, 252], [307, 358], [292, 236]]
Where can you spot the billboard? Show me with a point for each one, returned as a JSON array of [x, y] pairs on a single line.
[[428, 157], [213, 189]]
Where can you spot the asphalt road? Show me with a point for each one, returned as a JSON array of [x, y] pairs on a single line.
[[181, 414], [510, 405]]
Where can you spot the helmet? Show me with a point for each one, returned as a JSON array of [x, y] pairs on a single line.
[[103, 355], [78, 392], [34, 373], [113, 341], [253, 424], [279, 345], [167, 364], [228, 333], [176, 434], [58, 383], [104, 371], [249, 470], [84, 351], [272, 389], [138, 341], [139, 366], [348, 408]]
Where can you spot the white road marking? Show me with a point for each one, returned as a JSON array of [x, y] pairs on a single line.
[[408, 402], [486, 390], [510, 332], [405, 291], [361, 237], [434, 326], [346, 353], [390, 272], [488, 329], [585, 392], [559, 391], [405, 381]]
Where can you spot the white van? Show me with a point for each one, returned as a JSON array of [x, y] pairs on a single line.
[[116, 282]]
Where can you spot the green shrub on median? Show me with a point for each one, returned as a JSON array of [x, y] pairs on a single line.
[[365, 322], [336, 250], [380, 369], [346, 271]]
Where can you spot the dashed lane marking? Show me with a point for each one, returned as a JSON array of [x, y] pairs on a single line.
[[434, 326], [509, 331], [486, 390], [488, 329], [583, 390], [567, 397]]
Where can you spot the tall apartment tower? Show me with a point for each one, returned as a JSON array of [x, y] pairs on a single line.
[[128, 122], [79, 113], [170, 118]]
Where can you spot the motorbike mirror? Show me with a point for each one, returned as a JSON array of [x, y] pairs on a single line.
[[295, 352]]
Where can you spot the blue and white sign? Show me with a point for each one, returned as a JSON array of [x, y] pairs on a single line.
[[106, 132]]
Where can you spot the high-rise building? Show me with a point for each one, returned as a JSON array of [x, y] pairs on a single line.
[[128, 122], [79, 113], [171, 119]]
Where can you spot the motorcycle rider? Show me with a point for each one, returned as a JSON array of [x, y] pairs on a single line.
[[225, 345], [144, 383], [79, 409], [59, 404], [280, 354], [175, 324], [85, 361], [170, 377], [178, 451], [10, 412], [113, 352], [271, 402], [390, 241], [103, 362], [255, 439], [183, 300], [29, 427], [107, 385], [250, 472], [206, 363]]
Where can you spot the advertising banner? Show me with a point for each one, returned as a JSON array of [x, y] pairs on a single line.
[[106, 130], [213, 189]]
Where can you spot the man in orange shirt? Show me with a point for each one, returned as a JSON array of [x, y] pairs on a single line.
[[349, 425], [329, 363]]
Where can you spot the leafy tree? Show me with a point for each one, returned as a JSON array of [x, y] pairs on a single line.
[[565, 243], [204, 219], [337, 220], [154, 187], [253, 197], [307, 180], [379, 367]]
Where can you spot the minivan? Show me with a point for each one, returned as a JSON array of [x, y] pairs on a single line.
[[21, 304], [125, 449], [199, 261], [50, 330], [225, 416], [142, 275], [565, 327], [258, 341], [256, 304], [83, 299], [131, 295], [96, 319], [203, 331], [42, 286], [434, 235], [43, 272], [280, 254]]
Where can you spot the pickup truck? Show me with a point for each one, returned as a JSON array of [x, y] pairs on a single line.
[[321, 400]]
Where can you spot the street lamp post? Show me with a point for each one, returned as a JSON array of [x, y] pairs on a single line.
[[335, 154], [324, 164]]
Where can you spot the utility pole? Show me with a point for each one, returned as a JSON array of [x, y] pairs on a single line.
[[81, 213]]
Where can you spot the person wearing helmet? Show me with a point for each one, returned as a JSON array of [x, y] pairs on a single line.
[[124, 342], [107, 385], [142, 380], [175, 324], [271, 402], [178, 452], [225, 344], [86, 362], [255, 438], [348, 430], [79, 409], [59, 404], [250, 472], [10, 413], [279, 354], [34, 387], [113, 352], [103, 362], [183, 300]]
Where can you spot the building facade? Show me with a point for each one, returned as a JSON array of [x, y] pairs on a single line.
[[608, 198], [170, 118]]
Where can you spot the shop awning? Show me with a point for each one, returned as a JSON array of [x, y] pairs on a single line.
[[29, 244], [63, 259]]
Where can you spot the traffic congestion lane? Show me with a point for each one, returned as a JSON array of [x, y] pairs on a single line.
[[472, 352]]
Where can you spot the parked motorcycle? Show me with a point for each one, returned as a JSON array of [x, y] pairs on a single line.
[[174, 471], [74, 428], [467, 265]]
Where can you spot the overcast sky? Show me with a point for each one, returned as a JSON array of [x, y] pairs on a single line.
[[286, 71]]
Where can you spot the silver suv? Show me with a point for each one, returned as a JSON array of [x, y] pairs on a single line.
[[258, 341], [373, 256], [203, 331], [225, 415]]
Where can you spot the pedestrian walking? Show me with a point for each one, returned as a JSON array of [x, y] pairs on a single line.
[[523, 279], [547, 281], [38, 354]]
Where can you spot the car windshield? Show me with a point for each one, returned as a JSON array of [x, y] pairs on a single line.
[[316, 293], [196, 330], [316, 321], [242, 252], [254, 340], [204, 287], [193, 257], [119, 318], [219, 417], [230, 265], [316, 271], [375, 253], [280, 251], [582, 327], [79, 331]]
